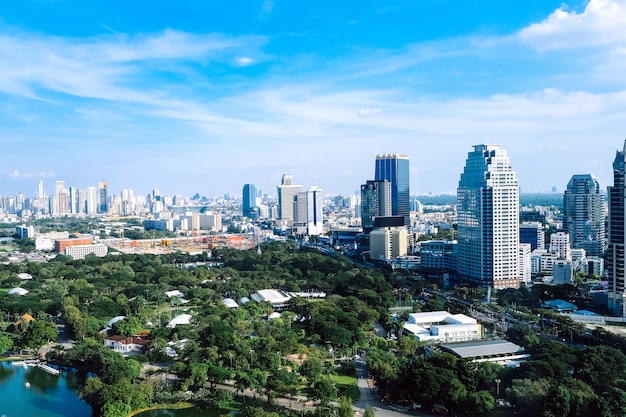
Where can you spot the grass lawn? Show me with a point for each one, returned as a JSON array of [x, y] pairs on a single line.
[[346, 385]]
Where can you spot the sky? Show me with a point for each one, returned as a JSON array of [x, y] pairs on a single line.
[[203, 96]]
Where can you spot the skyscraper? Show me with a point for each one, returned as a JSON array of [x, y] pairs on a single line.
[[583, 214], [308, 213], [488, 219], [617, 235], [375, 201], [286, 193], [103, 197], [249, 207], [395, 169]]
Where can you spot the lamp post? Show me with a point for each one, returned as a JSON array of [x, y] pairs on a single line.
[[498, 388], [231, 360]]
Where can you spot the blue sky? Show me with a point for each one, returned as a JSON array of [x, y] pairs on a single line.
[[204, 96]]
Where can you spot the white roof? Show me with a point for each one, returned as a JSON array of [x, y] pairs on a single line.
[[180, 319], [274, 315], [18, 291], [440, 317], [272, 296], [24, 275], [230, 303], [115, 320], [175, 293]]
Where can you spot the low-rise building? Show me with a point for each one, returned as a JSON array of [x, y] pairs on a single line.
[[441, 326]]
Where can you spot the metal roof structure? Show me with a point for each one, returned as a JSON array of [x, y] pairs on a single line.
[[487, 351]]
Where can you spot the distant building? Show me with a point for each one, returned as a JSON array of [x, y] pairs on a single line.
[[375, 202], [560, 245], [24, 232], [286, 194], [496, 351], [488, 219], [438, 255], [395, 169], [61, 244], [249, 204], [562, 272], [81, 251], [388, 243], [103, 197], [583, 214], [525, 265], [532, 233]]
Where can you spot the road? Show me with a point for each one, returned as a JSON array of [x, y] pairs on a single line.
[[369, 395]]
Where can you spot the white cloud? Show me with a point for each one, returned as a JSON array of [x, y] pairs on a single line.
[[17, 175], [602, 23], [243, 61]]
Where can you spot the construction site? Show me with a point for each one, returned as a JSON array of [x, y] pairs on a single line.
[[189, 244]]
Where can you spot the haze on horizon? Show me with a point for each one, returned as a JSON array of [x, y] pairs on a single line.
[[194, 97]]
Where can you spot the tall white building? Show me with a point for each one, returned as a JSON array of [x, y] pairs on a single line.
[[91, 200], [388, 243], [286, 194], [307, 211], [488, 219]]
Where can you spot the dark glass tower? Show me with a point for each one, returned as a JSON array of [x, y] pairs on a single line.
[[617, 241], [583, 214], [395, 169], [248, 202]]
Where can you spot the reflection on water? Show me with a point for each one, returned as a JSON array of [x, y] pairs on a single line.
[[47, 395]]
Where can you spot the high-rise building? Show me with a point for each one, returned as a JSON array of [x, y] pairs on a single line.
[[375, 202], [395, 169], [583, 214], [103, 197], [91, 201], [308, 212], [249, 205], [286, 193], [488, 219], [617, 235], [560, 245]]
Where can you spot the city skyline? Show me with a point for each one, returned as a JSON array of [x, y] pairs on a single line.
[[195, 99]]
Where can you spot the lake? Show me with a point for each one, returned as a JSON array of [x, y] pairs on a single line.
[[47, 396]]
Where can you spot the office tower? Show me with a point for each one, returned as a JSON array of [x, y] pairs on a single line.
[[308, 213], [533, 234], [375, 202], [583, 214], [103, 197], [617, 236], [91, 200], [488, 219], [286, 193], [395, 169], [249, 206], [41, 193]]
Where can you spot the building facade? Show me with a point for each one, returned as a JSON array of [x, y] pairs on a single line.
[[249, 205], [375, 202], [488, 219], [583, 214], [286, 194], [617, 234], [395, 169]]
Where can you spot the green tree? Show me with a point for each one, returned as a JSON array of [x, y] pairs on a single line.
[[345, 408], [6, 343], [39, 333], [324, 390], [369, 412]]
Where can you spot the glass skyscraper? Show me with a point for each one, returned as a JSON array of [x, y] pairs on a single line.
[[583, 214], [395, 169], [248, 202], [617, 236], [488, 219]]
